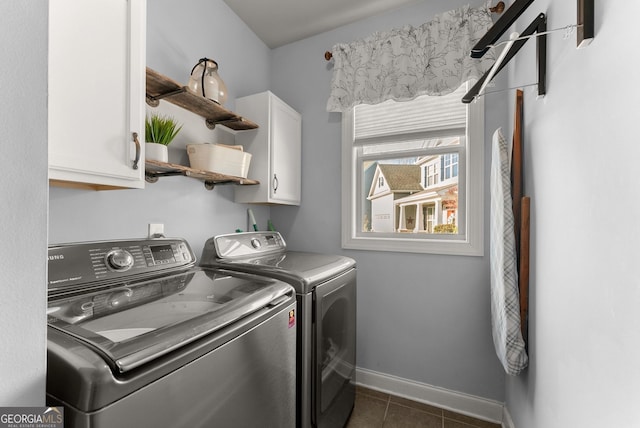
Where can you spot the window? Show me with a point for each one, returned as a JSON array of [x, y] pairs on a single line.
[[430, 175], [449, 166], [413, 176]]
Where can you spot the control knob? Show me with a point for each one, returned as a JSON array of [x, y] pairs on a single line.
[[119, 260], [255, 243]]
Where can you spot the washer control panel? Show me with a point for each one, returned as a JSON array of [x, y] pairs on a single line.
[[72, 265]]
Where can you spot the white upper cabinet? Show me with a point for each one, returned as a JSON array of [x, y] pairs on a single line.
[[96, 92], [275, 148]]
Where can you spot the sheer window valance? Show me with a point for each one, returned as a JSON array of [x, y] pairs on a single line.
[[401, 64]]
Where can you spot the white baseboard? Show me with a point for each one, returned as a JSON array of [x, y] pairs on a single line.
[[507, 422], [470, 405]]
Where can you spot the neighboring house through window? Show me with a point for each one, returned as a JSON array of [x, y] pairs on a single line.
[[412, 176]]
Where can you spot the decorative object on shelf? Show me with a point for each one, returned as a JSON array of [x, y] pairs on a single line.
[[159, 133], [161, 87], [219, 158], [206, 81]]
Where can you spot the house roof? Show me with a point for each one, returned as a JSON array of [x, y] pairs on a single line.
[[402, 177], [448, 191]]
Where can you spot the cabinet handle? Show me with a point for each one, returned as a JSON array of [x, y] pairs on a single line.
[[137, 158], [275, 183]]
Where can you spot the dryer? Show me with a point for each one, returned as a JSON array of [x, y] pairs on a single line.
[[325, 287]]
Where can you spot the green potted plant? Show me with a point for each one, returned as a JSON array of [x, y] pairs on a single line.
[[159, 133]]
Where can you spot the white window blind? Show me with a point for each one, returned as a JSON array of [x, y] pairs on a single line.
[[422, 115]]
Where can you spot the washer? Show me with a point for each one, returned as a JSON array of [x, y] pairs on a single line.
[[326, 296], [138, 335]]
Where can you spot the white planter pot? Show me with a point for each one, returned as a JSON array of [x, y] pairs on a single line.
[[157, 152]]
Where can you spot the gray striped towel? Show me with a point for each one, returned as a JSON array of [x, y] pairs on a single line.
[[505, 303]]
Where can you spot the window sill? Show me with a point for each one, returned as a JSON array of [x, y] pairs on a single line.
[[472, 247]]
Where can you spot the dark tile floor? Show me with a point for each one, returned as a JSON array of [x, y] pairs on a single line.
[[375, 409]]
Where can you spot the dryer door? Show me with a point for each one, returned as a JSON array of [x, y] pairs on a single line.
[[335, 350]]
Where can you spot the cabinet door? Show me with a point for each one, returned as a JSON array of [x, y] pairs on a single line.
[[285, 159], [276, 150], [96, 98]]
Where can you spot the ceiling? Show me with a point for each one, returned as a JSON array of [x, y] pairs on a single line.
[[278, 22]]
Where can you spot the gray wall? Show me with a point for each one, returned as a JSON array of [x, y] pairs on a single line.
[[424, 318], [582, 156], [23, 192]]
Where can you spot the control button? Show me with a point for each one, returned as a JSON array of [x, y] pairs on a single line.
[[82, 308], [119, 297], [119, 260], [255, 243]]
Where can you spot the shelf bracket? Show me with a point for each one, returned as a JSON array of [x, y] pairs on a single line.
[[155, 101], [152, 177]]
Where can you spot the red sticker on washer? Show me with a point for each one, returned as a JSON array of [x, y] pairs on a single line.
[[292, 318]]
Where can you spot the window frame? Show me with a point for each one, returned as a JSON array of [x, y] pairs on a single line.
[[471, 243]]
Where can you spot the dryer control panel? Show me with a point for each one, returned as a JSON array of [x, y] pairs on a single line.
[[77, 264], [242, 245]]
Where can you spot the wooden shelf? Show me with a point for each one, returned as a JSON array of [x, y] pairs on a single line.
[[161, 87], [155, 169]]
